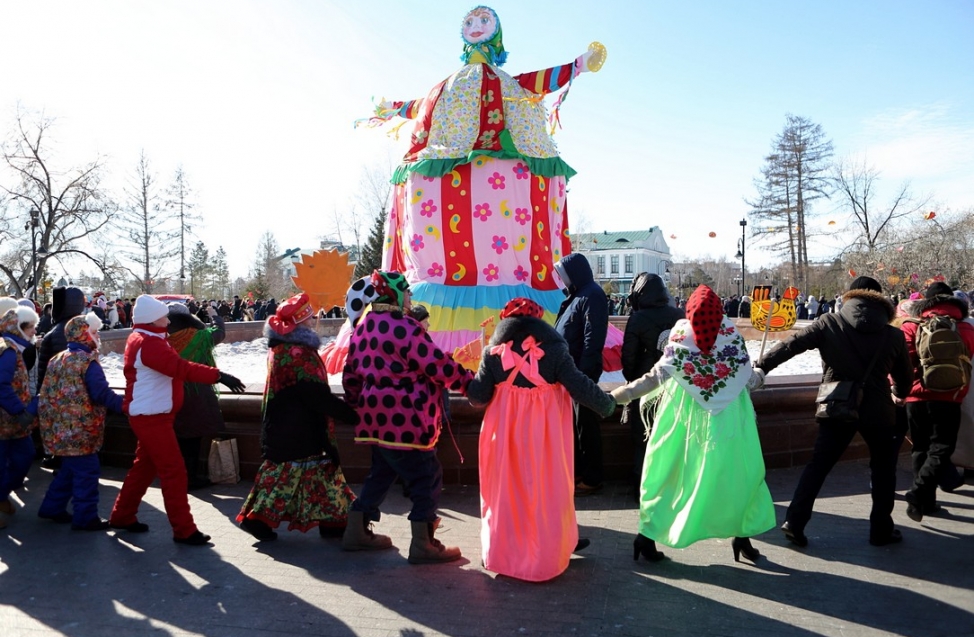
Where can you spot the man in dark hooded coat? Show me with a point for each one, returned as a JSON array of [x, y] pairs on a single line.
[[651, 318], [583, 321]]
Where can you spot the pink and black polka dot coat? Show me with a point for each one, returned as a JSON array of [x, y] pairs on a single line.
[[394, 376]]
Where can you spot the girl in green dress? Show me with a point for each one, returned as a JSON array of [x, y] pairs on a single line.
[[704, 471]]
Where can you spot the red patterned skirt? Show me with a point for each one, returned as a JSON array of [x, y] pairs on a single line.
[[305, 493]]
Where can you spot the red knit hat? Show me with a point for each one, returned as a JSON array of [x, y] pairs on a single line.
[[291, 312], [522, 307], [705, 313]]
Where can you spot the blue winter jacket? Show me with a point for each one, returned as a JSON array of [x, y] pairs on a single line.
[[583, 318]]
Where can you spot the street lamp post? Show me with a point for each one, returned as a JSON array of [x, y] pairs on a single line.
[[35, 252], [740, 255]]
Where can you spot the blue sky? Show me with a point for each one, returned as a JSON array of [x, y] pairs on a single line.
[[256, 100]]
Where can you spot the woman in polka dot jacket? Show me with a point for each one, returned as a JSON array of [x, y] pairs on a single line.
[[393, 376]]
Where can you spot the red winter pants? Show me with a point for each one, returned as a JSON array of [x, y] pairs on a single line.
[[157, 453]]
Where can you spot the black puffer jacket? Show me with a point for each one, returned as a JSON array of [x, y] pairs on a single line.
[[583, 318], [68, 303], [555, 366], [847, 341], [651, 315]]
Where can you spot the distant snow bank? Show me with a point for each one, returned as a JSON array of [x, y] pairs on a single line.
[[247, 360]]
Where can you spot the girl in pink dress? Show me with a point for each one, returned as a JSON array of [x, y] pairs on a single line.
[[527, 478]]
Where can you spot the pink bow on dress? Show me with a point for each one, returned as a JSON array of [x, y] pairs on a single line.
[[532, 354]]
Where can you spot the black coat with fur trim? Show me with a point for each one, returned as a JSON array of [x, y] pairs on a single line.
[[847, 341], [556, 366], [298, 401]]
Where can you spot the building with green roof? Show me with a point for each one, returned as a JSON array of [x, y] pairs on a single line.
[[617, 257]]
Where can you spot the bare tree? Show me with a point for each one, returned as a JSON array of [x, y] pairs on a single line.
[[856, 184], [145, 227], [580, 224], [60, 210], [371, 256], [795, 174], [375, 199]]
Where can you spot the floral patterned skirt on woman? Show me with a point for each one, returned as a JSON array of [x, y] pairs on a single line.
[[305, 493]]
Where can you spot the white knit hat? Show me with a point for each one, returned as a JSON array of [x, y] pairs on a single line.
[[148, 310], [7, 303]]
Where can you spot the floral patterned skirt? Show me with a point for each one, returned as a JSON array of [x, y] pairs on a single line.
[[305, 493]]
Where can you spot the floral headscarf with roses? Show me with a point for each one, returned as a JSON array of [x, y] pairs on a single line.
[[715, 370]]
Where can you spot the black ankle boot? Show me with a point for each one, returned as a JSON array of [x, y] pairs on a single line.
[[794, 536], [258, 529], [646, 547], [742, 545]]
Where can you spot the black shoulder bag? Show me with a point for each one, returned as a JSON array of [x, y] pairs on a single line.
[[840, 399]]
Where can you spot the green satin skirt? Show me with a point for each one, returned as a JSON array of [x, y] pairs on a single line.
[[703, 476]]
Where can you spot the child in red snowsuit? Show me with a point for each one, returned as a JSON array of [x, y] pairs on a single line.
[[154, 376]]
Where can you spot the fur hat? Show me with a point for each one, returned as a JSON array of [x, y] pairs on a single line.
[[27, 315], [937, 289], [7, 303], [148, 309], [866, 283], [419, 313], [93, 321], [180, 318]]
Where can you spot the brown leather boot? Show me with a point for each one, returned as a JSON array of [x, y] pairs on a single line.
[[426, 549], [359, 536]]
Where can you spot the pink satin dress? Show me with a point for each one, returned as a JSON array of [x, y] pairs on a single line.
[[528, 528]]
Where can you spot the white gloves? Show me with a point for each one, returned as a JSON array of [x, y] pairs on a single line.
[[756, 381]]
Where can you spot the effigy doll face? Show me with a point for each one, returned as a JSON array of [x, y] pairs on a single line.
[[480, 25]]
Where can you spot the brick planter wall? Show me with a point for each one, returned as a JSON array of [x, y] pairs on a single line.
[[785, 410], [785, 424]]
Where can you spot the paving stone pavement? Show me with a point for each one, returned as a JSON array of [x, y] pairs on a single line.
[[55, 581]]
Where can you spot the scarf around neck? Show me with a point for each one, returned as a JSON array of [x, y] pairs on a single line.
[[713, 379]]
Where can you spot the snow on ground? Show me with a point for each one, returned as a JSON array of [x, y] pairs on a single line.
[[247, 361]]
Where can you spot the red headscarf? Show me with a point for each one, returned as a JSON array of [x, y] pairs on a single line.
[[522, 307], [705, 313]]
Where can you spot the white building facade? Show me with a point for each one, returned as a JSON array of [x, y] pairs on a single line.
[[617, 257]]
